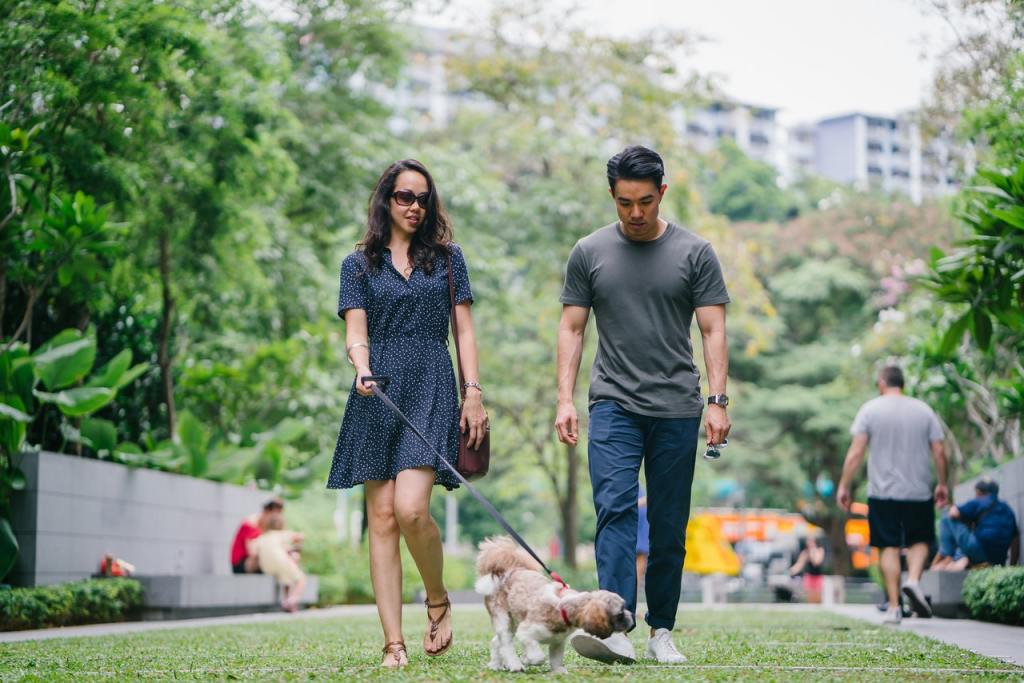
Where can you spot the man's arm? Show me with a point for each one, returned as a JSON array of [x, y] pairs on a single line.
[[711, 321], [939, 456], [570, 351], [854, 458]]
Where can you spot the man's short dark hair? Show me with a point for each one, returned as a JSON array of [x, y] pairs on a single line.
[[987, 487], [273, 504], [892, 376], [636, 162]]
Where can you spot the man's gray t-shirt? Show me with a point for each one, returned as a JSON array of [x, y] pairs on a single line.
[[900, 432], [643, 295]]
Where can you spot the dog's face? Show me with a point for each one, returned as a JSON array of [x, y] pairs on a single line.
[[604, 613]]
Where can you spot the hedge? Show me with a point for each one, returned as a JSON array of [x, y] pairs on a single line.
[[996, 594], [78, 602]]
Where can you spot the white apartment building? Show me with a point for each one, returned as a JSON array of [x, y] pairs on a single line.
[[753, 128], [865, 150], [870, 151]]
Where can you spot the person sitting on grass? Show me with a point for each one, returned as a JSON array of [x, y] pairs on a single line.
[[977, 533], [274, 550]]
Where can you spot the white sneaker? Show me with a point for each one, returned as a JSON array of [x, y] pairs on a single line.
[[615, 649], [893, 615], [661, 648]]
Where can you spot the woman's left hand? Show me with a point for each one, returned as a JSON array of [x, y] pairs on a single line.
[[474, 418]]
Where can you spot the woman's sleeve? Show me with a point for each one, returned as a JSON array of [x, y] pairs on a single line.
[[460, 275], [352, 292]]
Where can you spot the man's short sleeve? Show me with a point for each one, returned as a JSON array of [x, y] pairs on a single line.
[[352, 291], [577, 290], [935, 428], [860, 423], [708, 283]]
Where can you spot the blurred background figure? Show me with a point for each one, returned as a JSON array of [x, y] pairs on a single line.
[[243, 559], [643, 540], [811, 563], [980, 532], [273, 550]]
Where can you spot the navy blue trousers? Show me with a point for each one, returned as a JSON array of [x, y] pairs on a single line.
[[619, 441]]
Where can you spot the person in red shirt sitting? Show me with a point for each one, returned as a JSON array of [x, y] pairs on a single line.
[[243, 561]]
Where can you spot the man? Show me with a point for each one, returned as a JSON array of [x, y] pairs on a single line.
[[243, 560], [645, 279], [991, 534], [903, 434]]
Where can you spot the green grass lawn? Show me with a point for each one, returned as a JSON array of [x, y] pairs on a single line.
[[735, 644]]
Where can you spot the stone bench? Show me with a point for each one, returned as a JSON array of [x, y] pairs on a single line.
[[944, 592], [181, 597]]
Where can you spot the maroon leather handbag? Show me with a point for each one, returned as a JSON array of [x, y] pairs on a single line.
[[473, 463]]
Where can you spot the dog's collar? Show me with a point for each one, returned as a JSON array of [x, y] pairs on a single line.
[[565, 616]]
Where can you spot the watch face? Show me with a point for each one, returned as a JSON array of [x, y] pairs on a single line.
[[718, 399]]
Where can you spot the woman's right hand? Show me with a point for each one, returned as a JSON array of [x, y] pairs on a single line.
[[363, 389]]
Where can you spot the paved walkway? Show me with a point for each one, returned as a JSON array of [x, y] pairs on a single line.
[[991, 640]]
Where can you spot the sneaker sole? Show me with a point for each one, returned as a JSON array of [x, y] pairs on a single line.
[[920, 606], [652, 658], [593, 648]]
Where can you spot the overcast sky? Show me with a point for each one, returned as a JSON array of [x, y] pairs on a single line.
[[809, 58]]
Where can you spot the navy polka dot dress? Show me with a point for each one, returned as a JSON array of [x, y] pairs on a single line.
[[408, 330]]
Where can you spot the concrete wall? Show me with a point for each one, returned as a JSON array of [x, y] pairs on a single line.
[[1010, 478], [74, 510]]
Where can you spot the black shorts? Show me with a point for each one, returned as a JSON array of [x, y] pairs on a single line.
[[901, 523], [239, 568]]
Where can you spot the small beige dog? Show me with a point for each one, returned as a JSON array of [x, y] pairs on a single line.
[[523, 601]]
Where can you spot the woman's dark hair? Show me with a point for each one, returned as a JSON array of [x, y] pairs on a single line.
[[431, 238], [636, 163]]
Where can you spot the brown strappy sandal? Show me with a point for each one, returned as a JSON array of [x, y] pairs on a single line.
[[395, 649], [435, 624]]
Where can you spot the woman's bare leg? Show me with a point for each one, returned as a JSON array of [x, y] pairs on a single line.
[[385, 560], [423, 538]]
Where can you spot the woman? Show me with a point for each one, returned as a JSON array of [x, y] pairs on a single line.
[[395, 302], [811, 562]]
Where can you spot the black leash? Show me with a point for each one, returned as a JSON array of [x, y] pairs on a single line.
[[378, 382]]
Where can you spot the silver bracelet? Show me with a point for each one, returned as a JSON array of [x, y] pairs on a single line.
[[348, 351], [467, 385]]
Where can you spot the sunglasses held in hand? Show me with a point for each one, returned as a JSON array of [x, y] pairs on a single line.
[[714, 450], [407, 197]]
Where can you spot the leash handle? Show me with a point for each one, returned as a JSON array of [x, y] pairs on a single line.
[[472, 489]]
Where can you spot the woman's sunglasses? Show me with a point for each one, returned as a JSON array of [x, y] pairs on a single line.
[[407, 197]]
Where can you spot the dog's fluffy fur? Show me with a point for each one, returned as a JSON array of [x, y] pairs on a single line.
[[524, 602]]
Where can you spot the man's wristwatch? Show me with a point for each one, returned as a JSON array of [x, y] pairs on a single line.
[[718, 400]]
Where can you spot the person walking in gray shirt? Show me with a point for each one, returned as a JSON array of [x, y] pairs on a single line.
[[646, 279], [905, 439]]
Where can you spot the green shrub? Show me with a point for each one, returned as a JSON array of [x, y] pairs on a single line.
[[79, 602], [344, 571], [996, 594]]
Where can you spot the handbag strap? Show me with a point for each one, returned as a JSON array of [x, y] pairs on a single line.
[[455, 328]]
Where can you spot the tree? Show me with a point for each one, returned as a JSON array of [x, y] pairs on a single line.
[[744, 189]]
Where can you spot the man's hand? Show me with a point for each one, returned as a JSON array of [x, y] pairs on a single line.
[[716, 425], [843, 497], [567, 423], [941, 496]]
